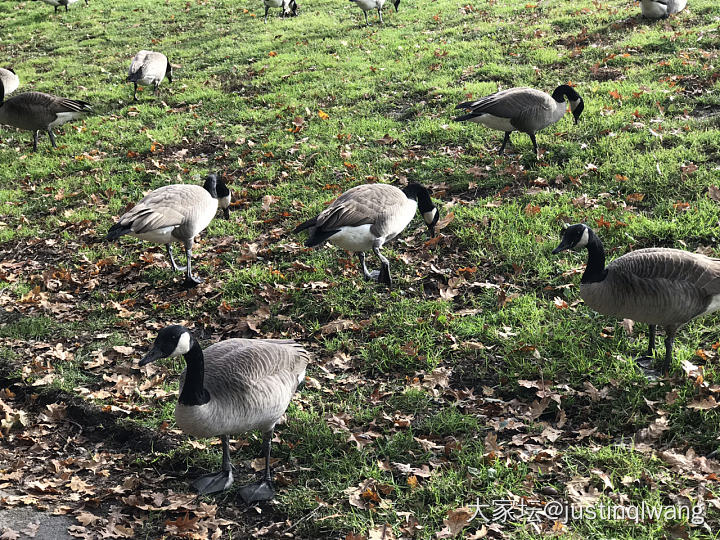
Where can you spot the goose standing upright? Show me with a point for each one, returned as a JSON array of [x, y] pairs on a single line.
[[367, 5], [34, 111], [660, 9], [232, 387], [175, 213], [289, 7], [149, 68], [658, 286], [9, 80], [522, 109], [368, 216]]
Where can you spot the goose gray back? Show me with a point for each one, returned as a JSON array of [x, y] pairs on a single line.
[[35, 111], [658, 286], [174, 213], [9, 80], [289, 7], [660, 9], [522, 109], [368, 216], [149, 68], [369, 5], [232, 387]]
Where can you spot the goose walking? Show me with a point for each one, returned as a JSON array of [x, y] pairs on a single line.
[[149, 68], [57, 3], [522, 109], [660, 9], [232, 387], [175, 213], [368, 5], [368, 216], [34, 111], [9, 80], [658, 286], [289, 7]]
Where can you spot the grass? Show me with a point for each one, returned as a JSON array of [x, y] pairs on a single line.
[[295, 112]]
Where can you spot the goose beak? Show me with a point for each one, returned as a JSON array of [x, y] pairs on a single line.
[[562, 247], [153, 355]]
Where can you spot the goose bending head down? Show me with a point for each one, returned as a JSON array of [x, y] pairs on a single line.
[[175, 213], [366, 217], [9, 80], [522, 109], [660, 9], [35, 111], [368, 5], [289, 7], [149, 68], [232, 387], [658, 286]]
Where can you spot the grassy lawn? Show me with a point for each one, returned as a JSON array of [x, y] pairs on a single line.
[[479, 380]]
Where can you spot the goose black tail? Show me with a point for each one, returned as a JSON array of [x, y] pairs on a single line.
[[116, 231], [306, 225]]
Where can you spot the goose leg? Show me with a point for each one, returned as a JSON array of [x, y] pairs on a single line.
[[384, 276], [219, 481], [380, 16], [262, 490], [52, 138], [36, 134], [190, 280], [368, 275], [535, 146], [366, 19], [669, 339], [651, 340], [504, 143], [157, 89], [266, 12], [56, 9], [175, 267], [135, 91]]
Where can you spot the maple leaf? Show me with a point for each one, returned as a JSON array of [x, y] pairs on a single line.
[[322, 114], [183, 524]]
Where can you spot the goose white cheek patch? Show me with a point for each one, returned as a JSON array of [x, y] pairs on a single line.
[[224, 202], [583, 240], [183, 345], [429, 216]]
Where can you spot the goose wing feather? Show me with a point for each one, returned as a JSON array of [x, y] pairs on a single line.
[[361, 205], [37, 110], [522, 105]]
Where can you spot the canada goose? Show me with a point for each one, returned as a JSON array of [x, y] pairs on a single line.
[[367, 5], [9, 80], [149, 68], [175, 213], [289, 7], [233, 386], [366, 217], [522, 109], [34, 111], [57, 3], [658, 9], [658, 286]]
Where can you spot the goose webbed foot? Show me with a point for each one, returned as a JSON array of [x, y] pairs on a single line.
[[191, 281], [213, 482], [262, 490]]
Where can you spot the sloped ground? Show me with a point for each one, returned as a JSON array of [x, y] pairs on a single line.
[[479, 382]]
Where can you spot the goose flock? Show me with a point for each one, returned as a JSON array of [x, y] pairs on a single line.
[[239, 385]]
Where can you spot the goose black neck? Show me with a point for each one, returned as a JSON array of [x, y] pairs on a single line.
[[193, 391], [2, 93], [420, 194], [595, 269], [564, 91], [168, 71]]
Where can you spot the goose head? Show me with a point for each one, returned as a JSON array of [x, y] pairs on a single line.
[[168, 71], [215, 186], [574, 237], [293, 9], [426, 207], [171, 341]]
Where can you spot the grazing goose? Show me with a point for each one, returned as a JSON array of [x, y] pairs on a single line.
[[522, 109], [57, 3], [367, 5], [289, 7], [149, 68], [658, 286], [34, 111], [232, 387], [9, 79], [175, 213], [660, 9], [366, 217]]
